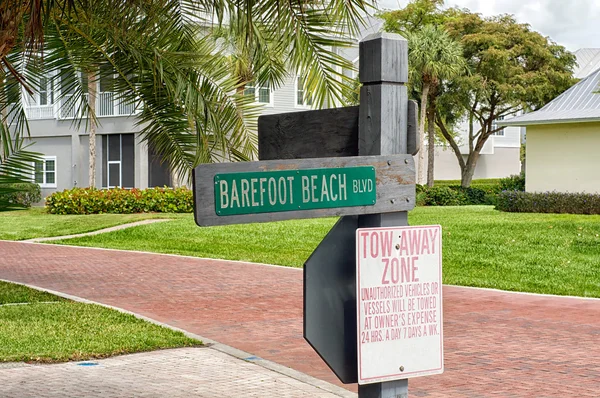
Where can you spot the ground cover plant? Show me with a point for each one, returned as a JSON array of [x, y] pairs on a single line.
[[121, 201], [37, 223], [541, 253], [38, 326]]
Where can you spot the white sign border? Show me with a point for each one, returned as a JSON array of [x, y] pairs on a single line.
[[400, 375]]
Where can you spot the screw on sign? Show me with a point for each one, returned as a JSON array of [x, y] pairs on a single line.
[[399, 303]]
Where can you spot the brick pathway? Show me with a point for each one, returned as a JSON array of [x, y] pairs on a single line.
[[496, 343], [180, 373]]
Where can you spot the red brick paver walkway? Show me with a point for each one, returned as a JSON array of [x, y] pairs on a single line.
[[496, 344]]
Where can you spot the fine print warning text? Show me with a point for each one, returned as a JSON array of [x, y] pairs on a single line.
[[399, 302]]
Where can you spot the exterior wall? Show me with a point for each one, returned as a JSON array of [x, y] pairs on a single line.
[[56, 127], [563, 158], [502, 163], [61, 148], [284, 99]]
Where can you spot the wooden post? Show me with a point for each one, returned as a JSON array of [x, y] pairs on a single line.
[[382, 130]]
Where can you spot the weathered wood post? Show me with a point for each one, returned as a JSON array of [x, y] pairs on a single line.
[[382, 130], [354, 163]]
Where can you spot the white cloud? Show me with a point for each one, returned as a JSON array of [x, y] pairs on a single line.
[[572, 24]]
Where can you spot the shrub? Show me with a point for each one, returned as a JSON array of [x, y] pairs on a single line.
[[118, 200], [473, 196], [443, 196], [20, 195], [515, 182], [548, 202], [453, 195]]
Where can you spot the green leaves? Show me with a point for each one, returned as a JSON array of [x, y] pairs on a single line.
[[186, 85]]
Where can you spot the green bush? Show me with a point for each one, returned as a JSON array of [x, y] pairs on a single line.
[[443, 196], [453, 195], [473, 196], [548, 202], [20, 195], [122, 201], [515, 182]]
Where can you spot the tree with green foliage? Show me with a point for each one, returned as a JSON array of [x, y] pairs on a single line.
[[162, 56], [433, 57], [511, 69]]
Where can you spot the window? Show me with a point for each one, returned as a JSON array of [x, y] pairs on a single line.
[[499, 133], [43, 91], [45, 172], [261, 94], [44, 95], [302, 99], [118, 166]]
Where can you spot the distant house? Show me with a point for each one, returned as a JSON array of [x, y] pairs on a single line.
[[123, 159], [563, 137], [500, 156]]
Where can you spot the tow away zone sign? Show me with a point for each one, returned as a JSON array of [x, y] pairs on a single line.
[[399, 303]]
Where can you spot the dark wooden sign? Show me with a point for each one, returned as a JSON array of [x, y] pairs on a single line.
[[235, 193]]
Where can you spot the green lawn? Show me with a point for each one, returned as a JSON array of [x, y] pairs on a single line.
[[543, 253], [36, 223], [285, 243], [53, 329]]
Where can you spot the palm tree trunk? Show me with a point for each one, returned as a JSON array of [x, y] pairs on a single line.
[[430, 143], [92, 124], [11, 16], [421, 159]]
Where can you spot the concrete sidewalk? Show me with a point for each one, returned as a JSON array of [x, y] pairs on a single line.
[[496, 343], [177, 373]]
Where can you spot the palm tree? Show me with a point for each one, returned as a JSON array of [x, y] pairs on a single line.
[[164, 59], [16, 162], [433, 56]]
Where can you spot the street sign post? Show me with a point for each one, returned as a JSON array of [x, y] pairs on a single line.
[[287, 190], [399, 303], [233, 193], [373, 314]]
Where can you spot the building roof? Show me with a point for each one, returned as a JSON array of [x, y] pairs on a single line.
[[580, 103], [588, 61]]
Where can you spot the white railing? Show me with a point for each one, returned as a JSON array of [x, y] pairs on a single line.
[[67, 108], [106, 105], [39, 111]]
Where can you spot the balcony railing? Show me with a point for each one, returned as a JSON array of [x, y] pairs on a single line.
[[106, 105], [39, 111]]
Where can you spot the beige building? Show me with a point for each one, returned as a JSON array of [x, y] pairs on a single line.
[[563, 141]]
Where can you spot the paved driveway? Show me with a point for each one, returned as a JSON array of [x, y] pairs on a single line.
[[496, 343]]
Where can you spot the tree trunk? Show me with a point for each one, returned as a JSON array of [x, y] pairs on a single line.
[[11, 17], [430, 143], [468, 170], [421, 159], [92, 123]]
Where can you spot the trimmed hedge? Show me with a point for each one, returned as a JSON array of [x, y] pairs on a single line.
[[481, 192], [453, 195], [20, 195], [548, 202], [122, 201]]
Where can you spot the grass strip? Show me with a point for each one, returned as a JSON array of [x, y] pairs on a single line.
[[69, 330], [36, 223], [11, 293]]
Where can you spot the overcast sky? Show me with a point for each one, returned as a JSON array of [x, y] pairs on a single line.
[[572, 23]]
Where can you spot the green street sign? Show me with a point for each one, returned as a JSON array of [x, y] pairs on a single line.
[[288, 190]]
